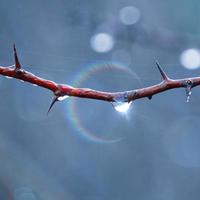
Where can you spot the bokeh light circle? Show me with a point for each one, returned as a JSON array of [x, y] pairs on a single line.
[[129, 15], [182, 142], [72, 108], [190, 59], [102, 42]]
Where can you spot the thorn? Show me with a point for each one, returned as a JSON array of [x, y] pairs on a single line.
[[163, 74], [17, 63], [52, 103]]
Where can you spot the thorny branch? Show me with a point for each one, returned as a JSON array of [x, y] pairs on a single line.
[[61, 90]]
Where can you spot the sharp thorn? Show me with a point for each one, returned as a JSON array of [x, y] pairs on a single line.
[[163, 74], [17, 63], [52, 103]]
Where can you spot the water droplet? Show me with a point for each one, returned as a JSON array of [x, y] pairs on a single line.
[[122, 107], [121, 103], [35, 85], [22, 80], [61, 98], [188, 90], [9, 77], [188, 98]]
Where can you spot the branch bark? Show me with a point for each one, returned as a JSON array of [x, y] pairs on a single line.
[[61, 90]]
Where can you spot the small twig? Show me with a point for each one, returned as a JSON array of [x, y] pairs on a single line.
[[61, 90]]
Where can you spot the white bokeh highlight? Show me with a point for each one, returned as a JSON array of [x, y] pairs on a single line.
[[129, 15], [190, 59], [122, 107], [102, 42]]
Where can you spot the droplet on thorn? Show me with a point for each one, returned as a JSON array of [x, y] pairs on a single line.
[[9, 77], [55, 99], [61, 98]]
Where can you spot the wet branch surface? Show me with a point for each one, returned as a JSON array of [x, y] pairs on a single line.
[[61, 90]]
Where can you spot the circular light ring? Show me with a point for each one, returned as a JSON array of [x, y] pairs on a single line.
[[72, 114]]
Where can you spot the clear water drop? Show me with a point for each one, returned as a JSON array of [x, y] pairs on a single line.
[[9, 77], [188, 90], [121, 103], [61, 98], [122, 107]]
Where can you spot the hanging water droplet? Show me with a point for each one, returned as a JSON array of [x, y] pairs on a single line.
[[188, 90], [35, 85], [121, 103], [121, 106], [61, 98], [188, 96]]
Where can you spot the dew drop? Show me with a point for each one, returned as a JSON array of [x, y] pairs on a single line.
[[188, 97], [35, 85], [122, 107], [121, 103], [9, 77], [188, 91], [61, 98]]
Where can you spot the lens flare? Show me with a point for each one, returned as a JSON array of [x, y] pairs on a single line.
[[103, 134], [102, 42], [190, 59], [129, 15], [122, 107]]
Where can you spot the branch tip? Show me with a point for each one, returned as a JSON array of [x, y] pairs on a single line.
[[17, 63]]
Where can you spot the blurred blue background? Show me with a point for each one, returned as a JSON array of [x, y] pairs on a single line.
[[84, 149]]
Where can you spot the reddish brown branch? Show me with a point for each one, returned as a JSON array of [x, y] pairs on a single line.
[[61, 90]]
